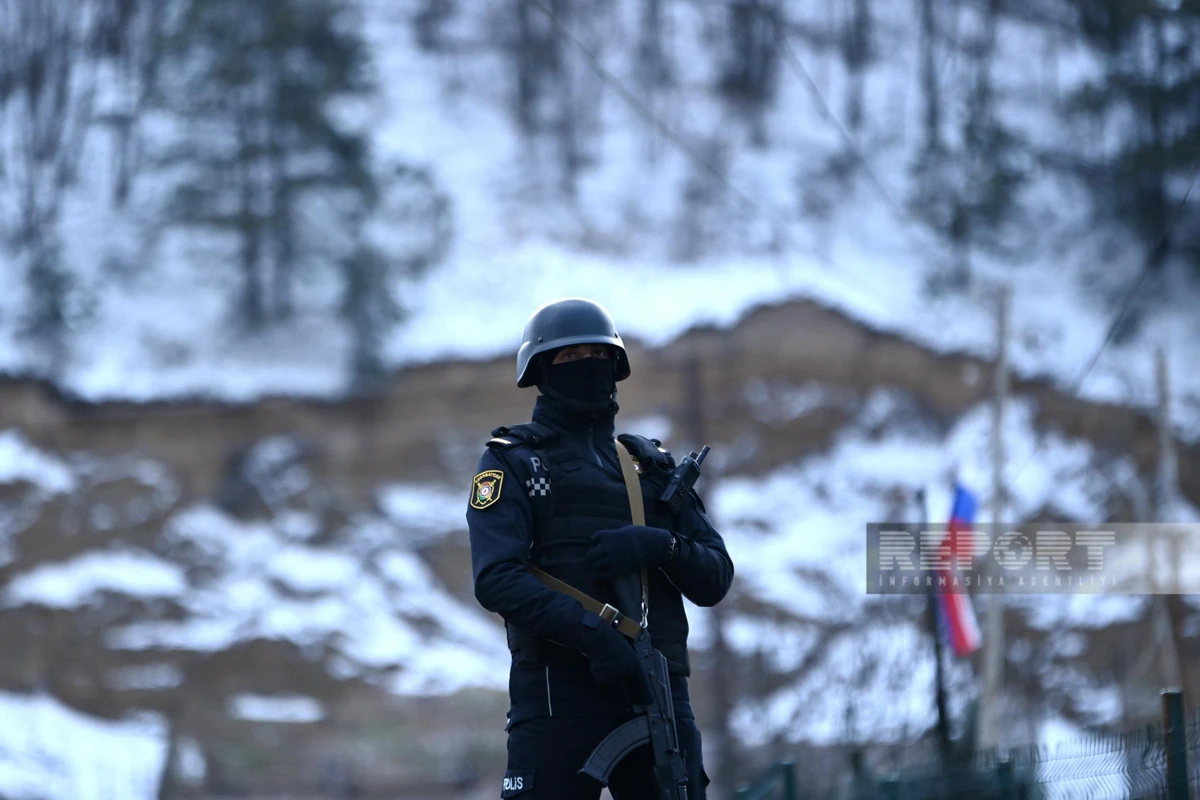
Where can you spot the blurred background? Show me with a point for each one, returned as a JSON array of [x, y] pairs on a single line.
[[266, 265]]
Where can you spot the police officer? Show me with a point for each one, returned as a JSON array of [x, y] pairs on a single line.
[[550, 494]]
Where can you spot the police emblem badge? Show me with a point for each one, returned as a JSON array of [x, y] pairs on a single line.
[[485, 488]]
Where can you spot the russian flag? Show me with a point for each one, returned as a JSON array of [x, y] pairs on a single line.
[[958, 625]]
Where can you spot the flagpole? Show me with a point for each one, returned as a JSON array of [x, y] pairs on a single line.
[[993, 639], [931, 614], [1166, 481]]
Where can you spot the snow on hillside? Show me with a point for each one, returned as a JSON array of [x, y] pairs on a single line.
[[72, 583], [799, 536], [367, 594], [51, 752], [797, 533], [813, 515], [518, 245], [20, 461], [372, 602], [292, 708], [857, 693], [423, 511]]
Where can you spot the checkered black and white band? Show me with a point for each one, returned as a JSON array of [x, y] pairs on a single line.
[[538, 486]]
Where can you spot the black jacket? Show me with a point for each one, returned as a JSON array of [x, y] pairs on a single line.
[[503, 536]]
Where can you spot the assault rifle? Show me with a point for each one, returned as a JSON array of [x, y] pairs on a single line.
[[655, 723]]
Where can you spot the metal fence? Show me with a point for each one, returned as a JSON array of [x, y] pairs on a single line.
[[1158, 761]]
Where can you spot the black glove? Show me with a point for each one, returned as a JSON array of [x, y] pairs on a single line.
[[617, 551], [611, 655]]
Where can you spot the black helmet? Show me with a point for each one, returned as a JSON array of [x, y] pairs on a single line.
[[564, 323]]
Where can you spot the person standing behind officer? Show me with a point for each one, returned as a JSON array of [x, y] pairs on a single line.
[[550, 494]]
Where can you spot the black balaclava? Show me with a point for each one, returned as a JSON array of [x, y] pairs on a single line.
[[585, 386]]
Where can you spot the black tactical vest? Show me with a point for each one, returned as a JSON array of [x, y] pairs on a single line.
[[583, 498]]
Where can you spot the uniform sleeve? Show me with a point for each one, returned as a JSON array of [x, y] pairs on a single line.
[[702, 569], [501, 536]]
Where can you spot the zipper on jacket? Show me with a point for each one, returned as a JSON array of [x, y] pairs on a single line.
[[592, 446]]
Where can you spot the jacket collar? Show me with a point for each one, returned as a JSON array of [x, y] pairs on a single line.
[[547, 412]]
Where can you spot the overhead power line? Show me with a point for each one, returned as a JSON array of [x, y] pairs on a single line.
[[655, 122], [1153, 257], [634, 102], [630, 97], [793, 59]]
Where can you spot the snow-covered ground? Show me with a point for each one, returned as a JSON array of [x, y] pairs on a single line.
[[51, 752]]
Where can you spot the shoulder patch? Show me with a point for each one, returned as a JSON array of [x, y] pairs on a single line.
[[485, 488]]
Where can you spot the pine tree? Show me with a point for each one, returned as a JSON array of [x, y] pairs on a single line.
[[253, 84], [750, 70], [703, 205], [555, 92], [653, 68], [48, 313], [930, 90], [130, 34], [533, 48], [406, 233], [428, 22], [1150, 94], [48, 62], [968, 183], [857, 53], [368, 308]]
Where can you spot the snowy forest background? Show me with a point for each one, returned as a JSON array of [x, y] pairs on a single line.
[[296, 173], [266, 264]]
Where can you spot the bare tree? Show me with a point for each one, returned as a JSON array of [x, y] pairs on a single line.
[[703, 206], [251, 87], [929, 77], [131, 35], [48, 53], [653, 69], [555, 102], [856, 52], [534, 50], [751, 66], [428, 22]]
